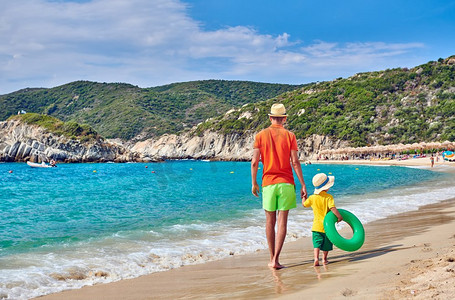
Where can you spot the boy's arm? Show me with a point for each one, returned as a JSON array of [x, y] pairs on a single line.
[[298, 171], [337, 213], [306, 203]]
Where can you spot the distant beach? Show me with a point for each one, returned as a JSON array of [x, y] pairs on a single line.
[[410, 254], [423, 162]]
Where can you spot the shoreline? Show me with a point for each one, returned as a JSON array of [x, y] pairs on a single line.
[[412, 162], [391, 244], [382, 269]]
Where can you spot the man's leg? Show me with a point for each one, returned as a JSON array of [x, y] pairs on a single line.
[[281, 235], [270, 217]]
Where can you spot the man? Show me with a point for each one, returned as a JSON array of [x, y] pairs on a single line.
[[276, 147]]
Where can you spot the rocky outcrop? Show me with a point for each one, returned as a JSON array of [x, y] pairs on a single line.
[[22, 142], [210, 145], [215, 146]]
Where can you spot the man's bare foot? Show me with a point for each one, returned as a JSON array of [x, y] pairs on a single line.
[[275, 265], [325, 262], [316, 263]]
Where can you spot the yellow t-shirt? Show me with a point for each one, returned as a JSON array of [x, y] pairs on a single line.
[[321, 205]]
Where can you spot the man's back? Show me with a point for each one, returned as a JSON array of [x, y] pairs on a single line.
[[275, 144]]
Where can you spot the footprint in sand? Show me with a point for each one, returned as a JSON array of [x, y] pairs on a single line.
[[426, 247], [348, 292]]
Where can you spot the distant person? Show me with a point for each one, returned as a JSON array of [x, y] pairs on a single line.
[[432, 160], [53, 163], [276, 147], [321, 202]]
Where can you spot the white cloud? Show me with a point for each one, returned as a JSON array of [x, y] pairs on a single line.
[[153, 42]]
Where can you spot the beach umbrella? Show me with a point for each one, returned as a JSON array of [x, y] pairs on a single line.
[[446, 144], [433, 145], [416, 146], [361, 150], [379, 149], [408, 147], [325, 151], [350, 150], [399, 147], [339, 151], [384, 149]]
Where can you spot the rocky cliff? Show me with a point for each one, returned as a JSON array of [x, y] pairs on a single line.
[[215, 146], [22, 142]]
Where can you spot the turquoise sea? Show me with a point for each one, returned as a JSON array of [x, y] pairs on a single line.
[[81, 224]]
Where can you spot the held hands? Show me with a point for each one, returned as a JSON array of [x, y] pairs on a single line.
[[303, 194]]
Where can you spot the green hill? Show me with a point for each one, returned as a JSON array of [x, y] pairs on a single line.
[[386, 107], [69, 129], [118, 110]]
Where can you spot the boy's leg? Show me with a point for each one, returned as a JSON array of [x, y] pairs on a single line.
[[316, 257], [324, 257], [326, 247]]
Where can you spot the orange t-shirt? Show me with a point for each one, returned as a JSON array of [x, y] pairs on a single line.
[[275, 144]]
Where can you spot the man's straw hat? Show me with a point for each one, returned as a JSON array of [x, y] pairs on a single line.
[[322, 182], [278, 110]]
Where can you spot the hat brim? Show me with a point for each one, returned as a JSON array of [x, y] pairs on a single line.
[[270, 115], [326, 186]]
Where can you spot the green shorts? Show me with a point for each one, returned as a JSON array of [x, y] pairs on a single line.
[[321, 241], [280, 196]]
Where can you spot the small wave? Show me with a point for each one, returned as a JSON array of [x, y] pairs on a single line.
[[129, 254]]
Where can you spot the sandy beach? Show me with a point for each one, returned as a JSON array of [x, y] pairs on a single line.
[[409, 255]]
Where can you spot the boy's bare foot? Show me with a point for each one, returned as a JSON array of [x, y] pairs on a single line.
[[325, 262], [275, 265], [316, 263]]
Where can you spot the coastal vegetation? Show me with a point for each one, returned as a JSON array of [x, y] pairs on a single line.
[[119, 110], [69, 129], [393, 106]]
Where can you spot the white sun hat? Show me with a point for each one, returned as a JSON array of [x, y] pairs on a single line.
[[322, 182]]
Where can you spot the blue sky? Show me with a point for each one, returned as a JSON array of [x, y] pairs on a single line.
[[46, 43]]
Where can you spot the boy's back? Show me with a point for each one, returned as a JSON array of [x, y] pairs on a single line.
[[321, 205]]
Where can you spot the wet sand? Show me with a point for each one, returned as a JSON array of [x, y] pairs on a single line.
[[396, 250], [410, 255]]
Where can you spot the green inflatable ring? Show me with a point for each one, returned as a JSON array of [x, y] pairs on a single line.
[[351, 244]]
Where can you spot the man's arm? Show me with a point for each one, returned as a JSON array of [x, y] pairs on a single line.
[[254, 172], [298, 171]]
